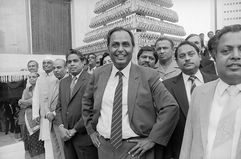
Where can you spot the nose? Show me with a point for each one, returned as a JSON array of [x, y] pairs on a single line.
[[187, 57], [120, 48], [147, 59], [236, 53]]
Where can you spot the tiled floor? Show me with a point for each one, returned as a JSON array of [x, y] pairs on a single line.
[[11, 148]]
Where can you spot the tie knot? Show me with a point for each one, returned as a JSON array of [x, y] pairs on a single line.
[[192, 78], [233, 90], [119, 73]]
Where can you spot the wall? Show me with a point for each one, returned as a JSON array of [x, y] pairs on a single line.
[[14, 27]]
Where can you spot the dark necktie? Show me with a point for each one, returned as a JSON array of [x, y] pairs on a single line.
[[192, 79], [116, 123], [72, 85]]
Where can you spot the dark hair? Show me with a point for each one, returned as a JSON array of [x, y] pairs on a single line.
[[148, 48], [103, 57], [92, 54], [192, 35], [32, 61], [76, 52], [165, 38], [224, 30], [210, 44], [186, 43], [120, 29]]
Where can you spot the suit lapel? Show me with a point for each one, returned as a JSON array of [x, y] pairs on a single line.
[[132, 89], [67, 88], [206, 98], [55, 93], [102, 82], [181, 95], [79, 84]]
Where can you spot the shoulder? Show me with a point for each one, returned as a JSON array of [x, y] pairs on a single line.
[[208, 76], [206, 87], [145, 71]]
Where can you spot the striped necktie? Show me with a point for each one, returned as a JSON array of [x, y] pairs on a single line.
[[73, 82], [192, 79], [116, 123]]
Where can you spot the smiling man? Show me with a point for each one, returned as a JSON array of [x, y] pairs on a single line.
[[181, 86], [126, 109], [213, 123]]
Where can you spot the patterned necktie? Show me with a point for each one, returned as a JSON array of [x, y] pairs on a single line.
[[192, 79], [73, 82], [222, 146], [116, 123]]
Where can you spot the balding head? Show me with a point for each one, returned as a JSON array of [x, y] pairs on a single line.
[[59, 68]]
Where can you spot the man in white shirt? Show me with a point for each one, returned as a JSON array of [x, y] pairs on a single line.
[[214, 119], [127, 111], [188, 59], [40, 105]]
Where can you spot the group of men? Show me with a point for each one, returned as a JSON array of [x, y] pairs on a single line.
[[124, 110]]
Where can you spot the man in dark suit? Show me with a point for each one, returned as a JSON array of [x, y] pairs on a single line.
[[181, 86], [126, 108], [68, 112]]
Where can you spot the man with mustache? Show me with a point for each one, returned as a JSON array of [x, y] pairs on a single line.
[[147, 57], [181, 86], [214, 119], [126, 109]]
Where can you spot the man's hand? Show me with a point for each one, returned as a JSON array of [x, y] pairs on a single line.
[[95, 139], [64, 133], [71, 132], [50, 116], [142, 145], [20, 101]]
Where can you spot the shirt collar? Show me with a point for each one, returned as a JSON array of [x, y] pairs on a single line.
[[77, 76], [222, 86], [198, 74], [48, 74], [125, 71]]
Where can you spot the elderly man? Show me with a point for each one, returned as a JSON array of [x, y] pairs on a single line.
[[59, 70], [188, 59], [147, 57], [167, 65], [40, 104], [214, 120], [139, 113]]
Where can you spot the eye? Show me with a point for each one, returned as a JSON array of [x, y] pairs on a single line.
[[182, 56], [225, 51], [114, 45]]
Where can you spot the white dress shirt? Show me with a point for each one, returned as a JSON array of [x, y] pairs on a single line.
[[104, 121], [220, 101], [188, 83]]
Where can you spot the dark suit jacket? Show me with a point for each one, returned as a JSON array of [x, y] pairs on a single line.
[[68, 109], [207, 66], [152, 110], [176, 87]]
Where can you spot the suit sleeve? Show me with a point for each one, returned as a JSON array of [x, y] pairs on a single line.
[[167, 113], [58, 119], [87, 106]]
